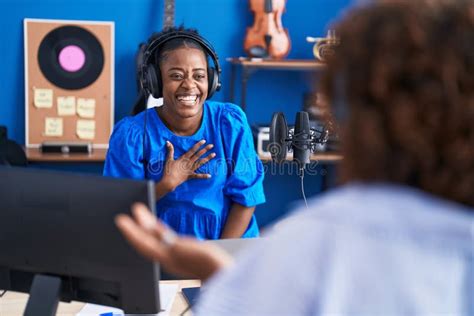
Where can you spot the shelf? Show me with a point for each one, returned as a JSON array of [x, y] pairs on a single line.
[[34, 155], [249, 66], [319, 157], [284, 64]]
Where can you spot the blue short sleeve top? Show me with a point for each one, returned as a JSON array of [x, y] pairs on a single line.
[[197, 207]]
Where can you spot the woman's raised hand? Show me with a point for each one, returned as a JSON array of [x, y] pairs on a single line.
[[184, 256], [184, 168]]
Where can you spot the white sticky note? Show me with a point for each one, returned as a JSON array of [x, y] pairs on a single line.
[[86, 107], [53, 126], [43, 98], [66, 106], [85, 129]]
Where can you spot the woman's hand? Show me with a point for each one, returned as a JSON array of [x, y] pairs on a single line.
[[182, 256], [182, 169]]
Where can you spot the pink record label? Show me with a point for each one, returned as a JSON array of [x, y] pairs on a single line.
[[72, 58]]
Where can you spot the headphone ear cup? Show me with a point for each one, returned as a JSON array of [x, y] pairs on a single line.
[[213, 81], [153, 80]]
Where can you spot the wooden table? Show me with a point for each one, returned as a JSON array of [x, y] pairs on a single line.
[[323, 157], [14, 303], [35, 155]]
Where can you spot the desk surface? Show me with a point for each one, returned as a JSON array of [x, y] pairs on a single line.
[[35, 155], [323, 157], [14, 303]]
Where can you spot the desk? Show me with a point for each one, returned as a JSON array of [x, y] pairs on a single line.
[[322, 157], [34, 155], [249, 66], [14, 303]]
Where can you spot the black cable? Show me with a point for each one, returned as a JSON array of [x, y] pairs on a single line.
[[145, 161], [3, 293]]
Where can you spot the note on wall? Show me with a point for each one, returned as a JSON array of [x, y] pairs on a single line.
[[43, 98], [53, 126], [66, 106], [86, 108], [85, 129]]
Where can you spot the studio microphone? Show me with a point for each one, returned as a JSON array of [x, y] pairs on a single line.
[[302, 139], [301, 143]]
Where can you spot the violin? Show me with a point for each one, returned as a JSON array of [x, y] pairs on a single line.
[[267, 37]]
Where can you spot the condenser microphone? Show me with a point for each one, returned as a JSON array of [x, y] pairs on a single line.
[[278, 137], [302, 139], [301, 143]]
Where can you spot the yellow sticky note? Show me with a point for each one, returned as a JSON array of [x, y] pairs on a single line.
[[66, 106], [53, 126], [85, 129], [43, 98], [86, 108]]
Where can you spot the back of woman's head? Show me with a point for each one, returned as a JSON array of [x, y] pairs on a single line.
[[403, 77]]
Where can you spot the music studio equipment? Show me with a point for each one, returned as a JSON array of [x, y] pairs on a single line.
[[324, 47], [65, 148], [303, 140], [267, 38]]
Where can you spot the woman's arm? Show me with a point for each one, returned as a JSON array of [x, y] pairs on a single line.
[[184, 256], [237, 221]]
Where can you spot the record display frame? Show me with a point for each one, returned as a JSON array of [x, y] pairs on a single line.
[[88, 77]]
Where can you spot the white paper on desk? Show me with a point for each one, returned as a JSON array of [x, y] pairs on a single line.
[[167, 296]]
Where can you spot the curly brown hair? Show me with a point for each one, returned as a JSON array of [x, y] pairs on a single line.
[[402, 85]]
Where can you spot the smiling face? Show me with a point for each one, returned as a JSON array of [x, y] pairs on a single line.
[[185, 83]]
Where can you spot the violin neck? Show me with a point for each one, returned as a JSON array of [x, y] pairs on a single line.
[[169, 14], [268, 6]]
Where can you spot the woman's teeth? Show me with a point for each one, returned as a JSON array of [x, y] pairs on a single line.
[[188, 99]]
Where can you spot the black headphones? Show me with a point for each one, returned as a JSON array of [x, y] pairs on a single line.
[[150, 78]]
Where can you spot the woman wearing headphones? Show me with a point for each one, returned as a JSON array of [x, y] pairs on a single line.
[[199, 152]]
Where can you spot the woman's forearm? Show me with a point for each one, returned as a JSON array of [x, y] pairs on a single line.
[[237, 221], [162, 188]]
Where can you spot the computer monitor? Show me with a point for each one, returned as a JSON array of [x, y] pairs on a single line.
[[58, 229]]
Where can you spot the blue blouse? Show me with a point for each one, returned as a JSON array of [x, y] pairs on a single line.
[[197, 207]]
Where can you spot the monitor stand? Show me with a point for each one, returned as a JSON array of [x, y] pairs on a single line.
[[44, 296]]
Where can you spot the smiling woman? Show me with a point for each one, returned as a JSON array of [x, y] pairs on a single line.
[[200, 153]]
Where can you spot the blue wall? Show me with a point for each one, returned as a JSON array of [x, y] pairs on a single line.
[[223, 22]]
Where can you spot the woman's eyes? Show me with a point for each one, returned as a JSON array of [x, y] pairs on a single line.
[[176, 76], [199, 76], [196, 76]]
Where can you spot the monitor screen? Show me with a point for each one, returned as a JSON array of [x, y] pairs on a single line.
[[62, 225]]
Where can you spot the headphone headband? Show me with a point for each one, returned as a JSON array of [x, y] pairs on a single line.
[[160, 40]]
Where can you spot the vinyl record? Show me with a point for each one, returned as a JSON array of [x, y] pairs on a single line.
[[71, 57]]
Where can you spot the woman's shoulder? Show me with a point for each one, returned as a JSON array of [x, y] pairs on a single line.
[[131, 126], [226, 111]]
